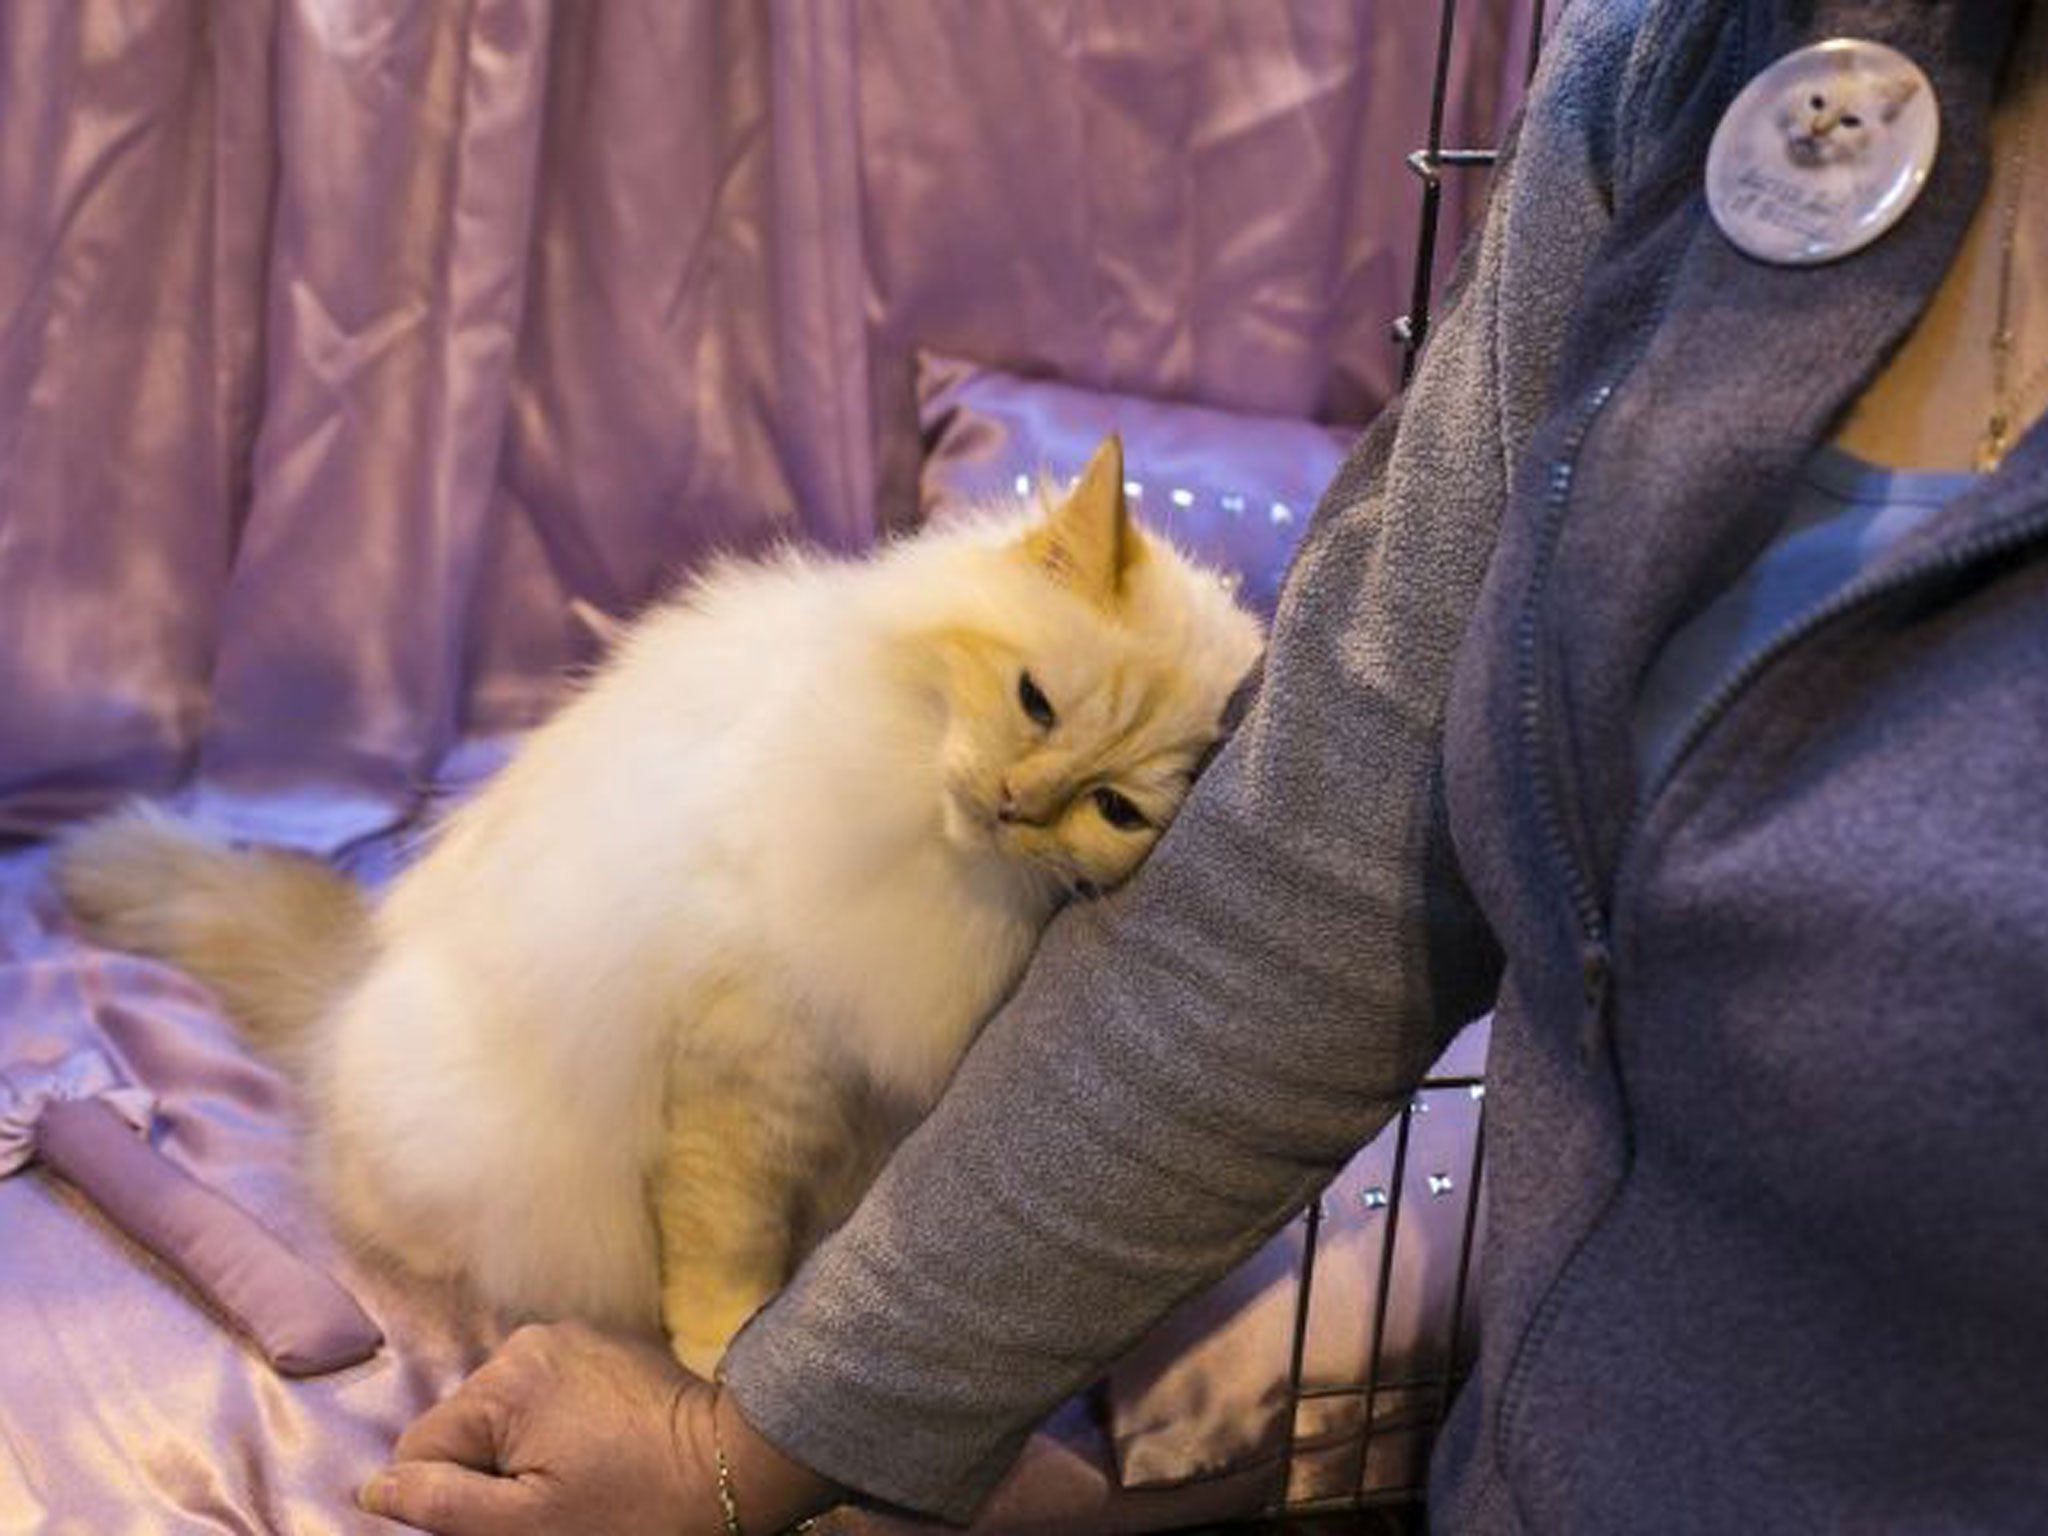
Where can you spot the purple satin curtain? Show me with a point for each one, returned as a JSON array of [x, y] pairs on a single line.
[[344, 343]]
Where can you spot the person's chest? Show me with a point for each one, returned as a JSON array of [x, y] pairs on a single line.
[[1696, 384]]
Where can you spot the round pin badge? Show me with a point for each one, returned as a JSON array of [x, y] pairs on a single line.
[[1823, 152]]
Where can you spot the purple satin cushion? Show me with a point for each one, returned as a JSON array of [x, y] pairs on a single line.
[[1231, 488], [304, 1322], [1205, 1394]]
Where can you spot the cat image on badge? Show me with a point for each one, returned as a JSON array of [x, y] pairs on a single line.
[[1837, 120], [642, 1022]]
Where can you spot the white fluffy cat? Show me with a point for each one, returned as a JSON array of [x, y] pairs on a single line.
[[645, 1018]]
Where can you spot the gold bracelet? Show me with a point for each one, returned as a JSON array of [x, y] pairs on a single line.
[[728, 1506], [728, 1502]]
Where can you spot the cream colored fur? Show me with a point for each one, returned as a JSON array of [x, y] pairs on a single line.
[[276, 935], [646, 1017]]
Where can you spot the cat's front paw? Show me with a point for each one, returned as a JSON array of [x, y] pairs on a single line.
[[699, 1357], [702, 1317]]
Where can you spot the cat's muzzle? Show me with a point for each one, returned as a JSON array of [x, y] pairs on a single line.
[[1807, 151]]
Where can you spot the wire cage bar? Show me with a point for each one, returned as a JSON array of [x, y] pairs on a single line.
[[1408, 1405], [1430, 162], [1403, 1407]]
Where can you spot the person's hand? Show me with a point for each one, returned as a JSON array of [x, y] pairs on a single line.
[[565, 1431]]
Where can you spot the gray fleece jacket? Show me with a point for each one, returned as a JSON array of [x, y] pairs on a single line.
[[1767, 1240]]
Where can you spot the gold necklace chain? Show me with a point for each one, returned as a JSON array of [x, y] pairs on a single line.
[[2006, 398]]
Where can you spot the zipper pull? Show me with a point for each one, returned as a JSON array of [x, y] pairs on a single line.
[[1595, 977]]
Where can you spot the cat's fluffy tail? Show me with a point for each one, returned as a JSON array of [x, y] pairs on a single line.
[[275, 935]]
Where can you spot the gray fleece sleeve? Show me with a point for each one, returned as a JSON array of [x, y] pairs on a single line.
[[1187, 1061]]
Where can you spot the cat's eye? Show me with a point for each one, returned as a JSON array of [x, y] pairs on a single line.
[[1118, 810], [1817, 102], [1034, 702], [1851, 120]]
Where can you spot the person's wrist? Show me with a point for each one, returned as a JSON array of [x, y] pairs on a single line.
[[725, 1457], [693, 1457], [763, 1479]]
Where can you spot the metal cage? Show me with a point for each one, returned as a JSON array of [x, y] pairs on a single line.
[[1399, 1412]]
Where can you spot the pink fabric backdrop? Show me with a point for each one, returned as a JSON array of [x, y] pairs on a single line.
[[342, 344]]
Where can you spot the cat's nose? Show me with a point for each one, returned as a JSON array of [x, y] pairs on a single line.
[[1007, 809]]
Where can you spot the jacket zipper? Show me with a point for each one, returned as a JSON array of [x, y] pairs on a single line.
[[1588, 911], [1590, 915], [1587, 914]]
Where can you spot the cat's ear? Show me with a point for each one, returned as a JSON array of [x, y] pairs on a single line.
[[1087, 541], [1894, 93]]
